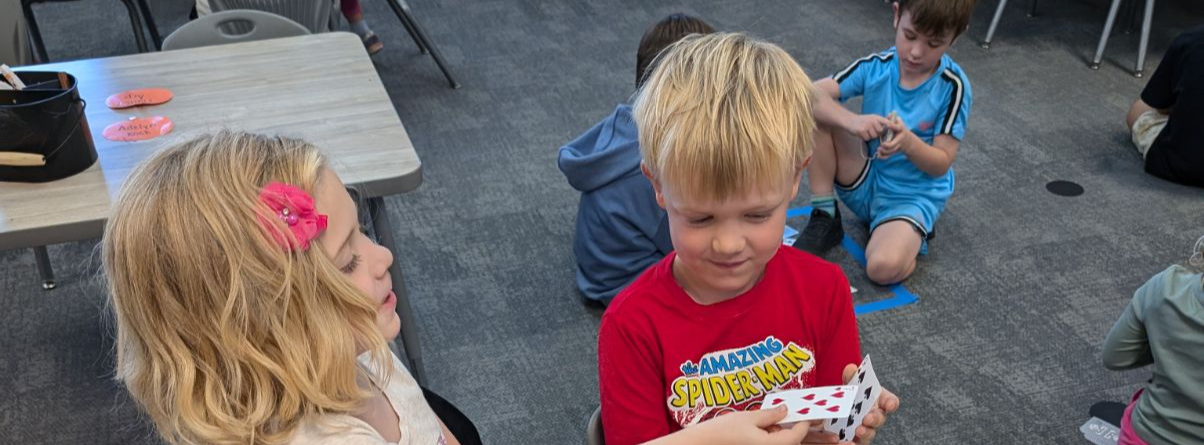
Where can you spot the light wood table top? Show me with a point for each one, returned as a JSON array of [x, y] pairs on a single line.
[[322, 88]]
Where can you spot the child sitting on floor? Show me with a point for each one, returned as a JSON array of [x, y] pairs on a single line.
[[915, 93], [620, 229], [1164, 326]]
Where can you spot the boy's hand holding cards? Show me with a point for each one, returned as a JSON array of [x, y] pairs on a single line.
[[889, 134], [887, 146], [825, 402], [845, 405], [868, 391]]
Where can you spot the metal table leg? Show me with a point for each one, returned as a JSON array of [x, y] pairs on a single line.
[[45, 270], [136, 23], [144, 9], [39, 47], [414, 35], [409, 329], [402, 9]]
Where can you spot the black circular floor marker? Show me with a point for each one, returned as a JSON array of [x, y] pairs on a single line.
[[1064, 188]]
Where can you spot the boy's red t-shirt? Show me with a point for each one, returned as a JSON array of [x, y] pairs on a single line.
[[666, 362]]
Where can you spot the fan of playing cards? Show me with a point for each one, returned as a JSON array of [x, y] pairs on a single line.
[[845, 405]]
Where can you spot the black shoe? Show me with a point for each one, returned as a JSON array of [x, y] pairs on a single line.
[[1110, 412], [822, 233]]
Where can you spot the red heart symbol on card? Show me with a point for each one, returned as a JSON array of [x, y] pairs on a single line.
[[809, 397], [834, 409], [838, 394], [149, 96], [804, 410], [139, 129], [821, 402], [776, 401]]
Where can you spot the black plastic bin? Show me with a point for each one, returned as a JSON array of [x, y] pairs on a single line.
[[44, 124]]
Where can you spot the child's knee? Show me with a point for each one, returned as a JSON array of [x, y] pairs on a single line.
[[823, 135], [889, 268]]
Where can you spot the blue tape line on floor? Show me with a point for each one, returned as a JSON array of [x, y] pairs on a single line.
[[902, 296]]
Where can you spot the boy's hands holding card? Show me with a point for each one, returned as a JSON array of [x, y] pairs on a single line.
[[826, 402], [848, 414], [870, 408], [896, 138]]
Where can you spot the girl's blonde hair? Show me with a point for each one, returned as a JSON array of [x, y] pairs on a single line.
[[723, 113], [222, 335]]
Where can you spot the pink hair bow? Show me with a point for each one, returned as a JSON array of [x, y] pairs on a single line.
[[295, 208]]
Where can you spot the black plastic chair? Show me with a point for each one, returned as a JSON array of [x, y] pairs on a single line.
[[139, 14]]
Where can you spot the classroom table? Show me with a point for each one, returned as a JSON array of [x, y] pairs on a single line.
[[322, 88]]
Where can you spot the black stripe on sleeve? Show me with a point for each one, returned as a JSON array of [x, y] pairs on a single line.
[[844, 74], [955, 102]]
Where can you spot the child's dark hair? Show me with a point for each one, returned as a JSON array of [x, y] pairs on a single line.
[[935, 17], [670, 29]]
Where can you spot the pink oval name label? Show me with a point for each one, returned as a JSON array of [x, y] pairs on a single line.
[[139, 129], [134, 98]]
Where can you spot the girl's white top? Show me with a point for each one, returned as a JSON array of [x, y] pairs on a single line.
[[418, 423]]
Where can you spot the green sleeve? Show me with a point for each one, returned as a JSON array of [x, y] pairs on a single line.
[[1128, 345]]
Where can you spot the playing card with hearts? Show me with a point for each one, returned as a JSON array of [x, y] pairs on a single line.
[[825, 402], [867, 392]]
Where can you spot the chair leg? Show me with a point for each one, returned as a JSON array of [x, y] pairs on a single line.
[[45, 270], [414, 35], [136, 23], [986, 44], [403, 13], [335, 13], [1103, 39], [35, 35], [1145, 37], [1032, 8], [1130, 15], [149, 20]]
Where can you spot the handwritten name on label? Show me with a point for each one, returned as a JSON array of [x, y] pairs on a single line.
[[134, 98], [139, 129]]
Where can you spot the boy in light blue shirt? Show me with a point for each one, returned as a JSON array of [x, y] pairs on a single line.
[[891, 165]]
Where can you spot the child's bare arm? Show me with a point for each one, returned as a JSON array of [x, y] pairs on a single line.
[[742, 428], [933, 159], [829, 111]]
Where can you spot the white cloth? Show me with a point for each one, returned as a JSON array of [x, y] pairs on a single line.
[[418, 423], [1146, 129]]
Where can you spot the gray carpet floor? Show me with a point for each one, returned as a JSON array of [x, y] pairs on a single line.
[[1015, 299]]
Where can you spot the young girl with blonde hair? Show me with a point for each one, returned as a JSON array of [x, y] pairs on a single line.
[[251, 308]]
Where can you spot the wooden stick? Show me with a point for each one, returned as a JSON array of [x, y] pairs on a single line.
[[11, 77], [16, 159]]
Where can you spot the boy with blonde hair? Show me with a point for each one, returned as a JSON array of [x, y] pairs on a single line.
[[917, 100], [725, 130]]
